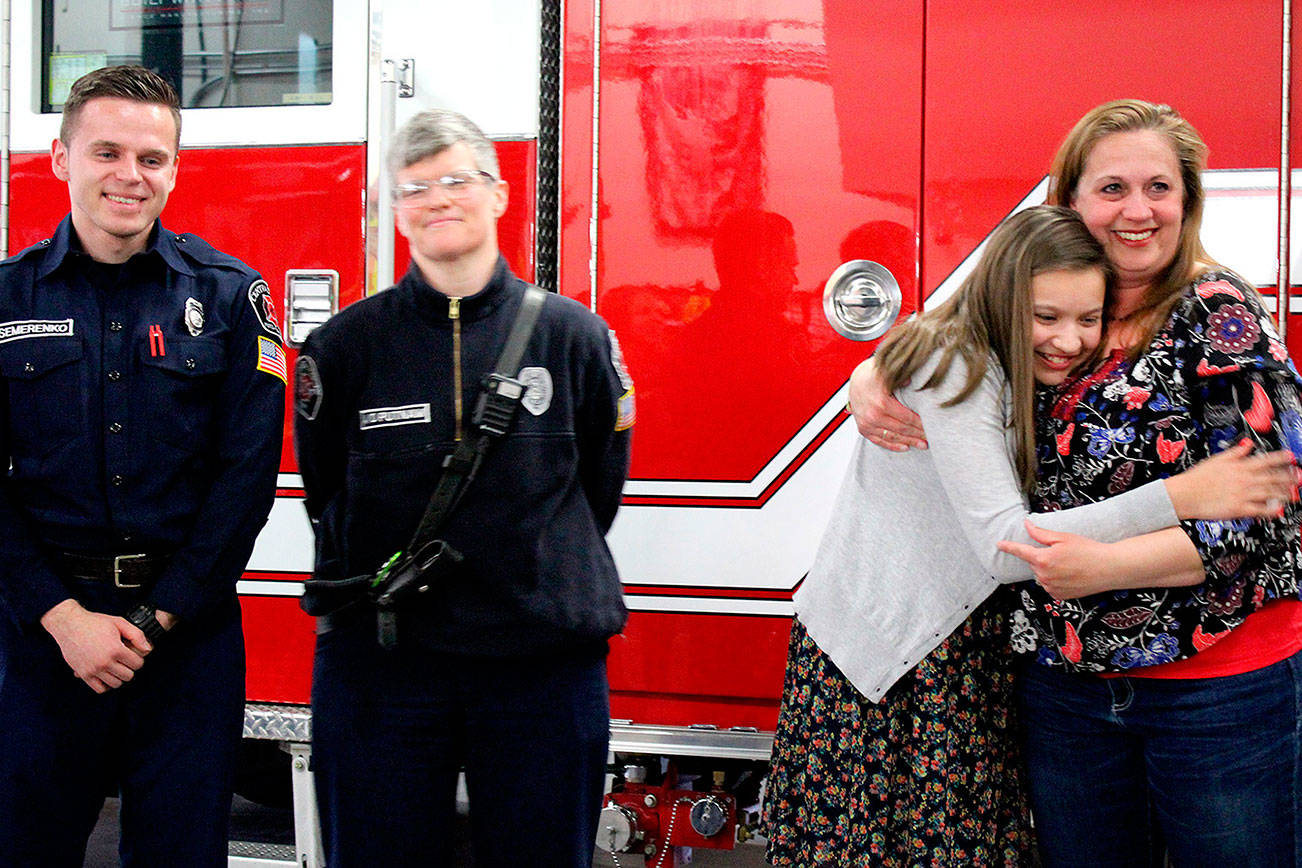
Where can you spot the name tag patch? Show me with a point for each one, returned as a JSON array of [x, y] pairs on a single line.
[[384, 417], [20, 329]]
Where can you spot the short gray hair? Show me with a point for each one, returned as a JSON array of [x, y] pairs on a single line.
[[434, 131]]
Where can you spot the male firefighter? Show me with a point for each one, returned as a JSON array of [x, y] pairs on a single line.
[[487, 652], [142, 383]]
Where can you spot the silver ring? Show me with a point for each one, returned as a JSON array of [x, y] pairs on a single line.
[[884, 433]]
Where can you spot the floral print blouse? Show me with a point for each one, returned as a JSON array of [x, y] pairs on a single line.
[[1215, 373]]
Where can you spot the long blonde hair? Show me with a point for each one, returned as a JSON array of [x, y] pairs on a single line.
[[1133, 115], [990, 315]]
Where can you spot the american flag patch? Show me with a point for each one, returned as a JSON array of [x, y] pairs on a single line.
[[627, 412], [271, 358]]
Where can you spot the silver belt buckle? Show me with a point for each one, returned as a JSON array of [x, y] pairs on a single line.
[[117, 572]]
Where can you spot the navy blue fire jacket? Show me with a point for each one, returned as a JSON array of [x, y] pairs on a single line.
[[383, 391], [141, 411]]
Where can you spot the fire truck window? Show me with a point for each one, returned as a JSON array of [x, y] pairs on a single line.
[[215, 52]]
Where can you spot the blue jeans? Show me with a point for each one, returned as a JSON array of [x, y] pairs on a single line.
[[391, 730], [1212, 765]]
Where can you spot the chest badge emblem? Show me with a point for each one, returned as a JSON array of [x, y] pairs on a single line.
[[193, 317], [538, 389]]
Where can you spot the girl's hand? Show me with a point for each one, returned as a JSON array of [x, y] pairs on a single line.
[[1066, 565], [1070, 566]]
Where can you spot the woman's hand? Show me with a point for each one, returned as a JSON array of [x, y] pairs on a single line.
[[882, 419], [1070, 566], [1236, 484]]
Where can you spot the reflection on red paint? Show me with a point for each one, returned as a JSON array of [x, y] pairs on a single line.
[[738, 154]]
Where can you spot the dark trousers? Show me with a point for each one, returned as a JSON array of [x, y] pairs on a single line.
[[391, 730], [166, 741], [1212, 765]]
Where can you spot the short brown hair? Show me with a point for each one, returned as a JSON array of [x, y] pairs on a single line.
[[122, 82]]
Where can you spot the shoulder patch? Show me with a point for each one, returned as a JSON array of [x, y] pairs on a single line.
[[307, 388], [617, 359], [271, 358], [627, 412], [260, 298], [538, 389]]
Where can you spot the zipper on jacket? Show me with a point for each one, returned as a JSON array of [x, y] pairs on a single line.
[[454, 314]]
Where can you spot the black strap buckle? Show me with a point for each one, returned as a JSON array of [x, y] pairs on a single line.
[[498, 398], [117, 572]]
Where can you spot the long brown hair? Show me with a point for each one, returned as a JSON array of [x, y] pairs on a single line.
[[990, 315], [1133, 115]]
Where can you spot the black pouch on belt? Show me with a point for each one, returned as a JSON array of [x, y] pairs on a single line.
[[405, 578]]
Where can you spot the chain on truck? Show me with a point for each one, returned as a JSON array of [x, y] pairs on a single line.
[[751, 193]]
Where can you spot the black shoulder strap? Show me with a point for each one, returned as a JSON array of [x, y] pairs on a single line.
[[499, 396], [508, 364]]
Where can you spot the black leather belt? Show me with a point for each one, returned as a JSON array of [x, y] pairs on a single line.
[[129, 571]]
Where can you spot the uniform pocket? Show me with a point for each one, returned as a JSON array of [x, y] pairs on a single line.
[[46, 385], [386, 495], [179, 390]]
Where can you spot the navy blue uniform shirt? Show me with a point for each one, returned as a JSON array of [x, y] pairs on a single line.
[[141, 410], [381, 392]]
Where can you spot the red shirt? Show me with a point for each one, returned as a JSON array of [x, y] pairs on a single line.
[[1268, 635]]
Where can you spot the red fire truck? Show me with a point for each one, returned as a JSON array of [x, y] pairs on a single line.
[[749, 191]]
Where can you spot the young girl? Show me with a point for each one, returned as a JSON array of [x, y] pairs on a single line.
[[894, 744]]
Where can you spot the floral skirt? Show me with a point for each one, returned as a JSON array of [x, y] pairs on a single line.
[[930, 776]]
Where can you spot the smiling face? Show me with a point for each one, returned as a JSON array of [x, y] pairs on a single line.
[[120, 165], [1066, 321], [444, 229], [1131, 197]]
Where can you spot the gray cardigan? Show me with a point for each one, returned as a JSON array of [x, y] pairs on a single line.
[[910, 548]]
